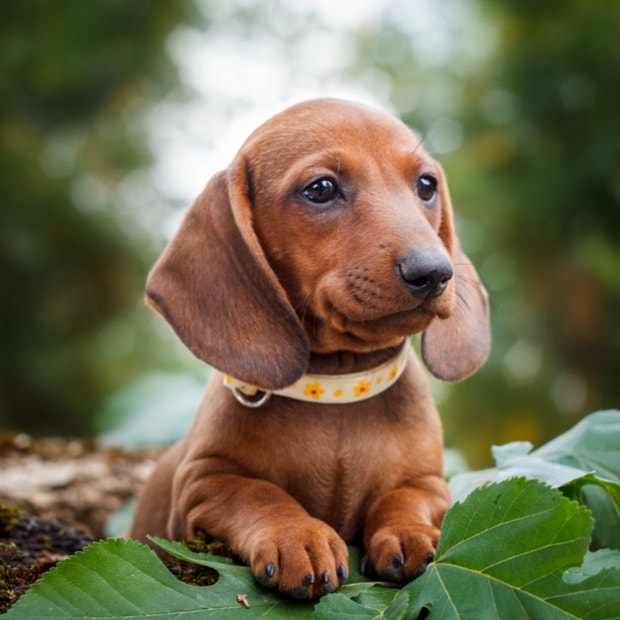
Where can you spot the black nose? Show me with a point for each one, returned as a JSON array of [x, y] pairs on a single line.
[[425, 272]]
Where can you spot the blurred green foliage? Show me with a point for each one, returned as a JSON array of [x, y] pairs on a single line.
[[520, 101], [75, 79], [543, 131], [536, 187]]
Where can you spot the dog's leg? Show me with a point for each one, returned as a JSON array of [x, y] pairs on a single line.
[[402, 530], [153, 508], [271, 532]]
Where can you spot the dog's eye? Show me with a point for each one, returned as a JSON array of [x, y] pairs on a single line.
[[426, 187], [321, 191]]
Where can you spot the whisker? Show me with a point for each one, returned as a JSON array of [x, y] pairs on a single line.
[[460, 297]]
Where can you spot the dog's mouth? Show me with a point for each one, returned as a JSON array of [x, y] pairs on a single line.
[[367, 317], [419, 314], [351, 309], [377, 330]]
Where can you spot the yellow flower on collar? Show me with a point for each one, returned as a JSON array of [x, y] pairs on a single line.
[[314, 390], [363, 387]]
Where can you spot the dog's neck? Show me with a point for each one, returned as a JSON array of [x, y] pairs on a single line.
[[346, 362]]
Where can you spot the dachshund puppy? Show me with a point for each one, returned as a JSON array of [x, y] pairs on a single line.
[[299, 274]]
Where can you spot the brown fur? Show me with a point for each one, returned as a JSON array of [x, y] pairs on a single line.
[[264, 285]]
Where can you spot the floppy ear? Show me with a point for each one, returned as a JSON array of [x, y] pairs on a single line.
[[456, 347], [215, 288]]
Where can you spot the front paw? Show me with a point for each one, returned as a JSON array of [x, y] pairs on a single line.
[[400, 554], [303, 559]]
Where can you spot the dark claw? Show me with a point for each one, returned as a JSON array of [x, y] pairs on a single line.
[[430, 557], [342, 573], [267, 579], [398, 560], [328, 587], [364, 567], [308, 579]]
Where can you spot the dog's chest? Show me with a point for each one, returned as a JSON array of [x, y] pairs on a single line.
[[336, 467]]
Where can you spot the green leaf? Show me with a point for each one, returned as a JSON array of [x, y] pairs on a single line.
[[179, 550], [604, 502], [507, 547], [594, 563], [121, 579], [585, 457], [591, 445], [603, 499], [339, 607], [358, 598], [357, 601]]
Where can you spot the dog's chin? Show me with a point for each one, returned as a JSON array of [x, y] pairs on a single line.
[[396, 325], [339, 322], [341, 332]]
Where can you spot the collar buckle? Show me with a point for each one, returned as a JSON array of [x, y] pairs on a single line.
[[247, 401]]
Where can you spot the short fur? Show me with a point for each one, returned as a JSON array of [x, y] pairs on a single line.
[[264, 285]]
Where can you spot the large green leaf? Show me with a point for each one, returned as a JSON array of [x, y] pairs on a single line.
[[358, 598], [504, 553], [121, 579]]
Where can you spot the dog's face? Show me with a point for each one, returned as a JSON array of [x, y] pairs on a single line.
[[331, 230], [359, 206]]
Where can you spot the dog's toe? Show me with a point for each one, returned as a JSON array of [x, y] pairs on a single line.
[[304, 564], [401, 555]]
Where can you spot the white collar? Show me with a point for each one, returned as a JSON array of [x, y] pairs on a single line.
[[328, 389]]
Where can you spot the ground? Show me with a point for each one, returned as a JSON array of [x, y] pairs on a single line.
[[56, 496], [78, 482]]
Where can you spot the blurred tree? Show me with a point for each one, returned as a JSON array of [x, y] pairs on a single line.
[[518, 99], [536, 186], [76, 79], [544, 128]]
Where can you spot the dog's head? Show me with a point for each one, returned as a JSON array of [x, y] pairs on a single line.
[[331, 230]]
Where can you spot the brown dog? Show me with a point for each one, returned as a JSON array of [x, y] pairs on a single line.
[[326, 243]]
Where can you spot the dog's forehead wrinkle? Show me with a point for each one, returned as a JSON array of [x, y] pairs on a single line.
[[331, 123]]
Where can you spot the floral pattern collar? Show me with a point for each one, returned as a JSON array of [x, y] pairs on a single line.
[[328, 389]]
